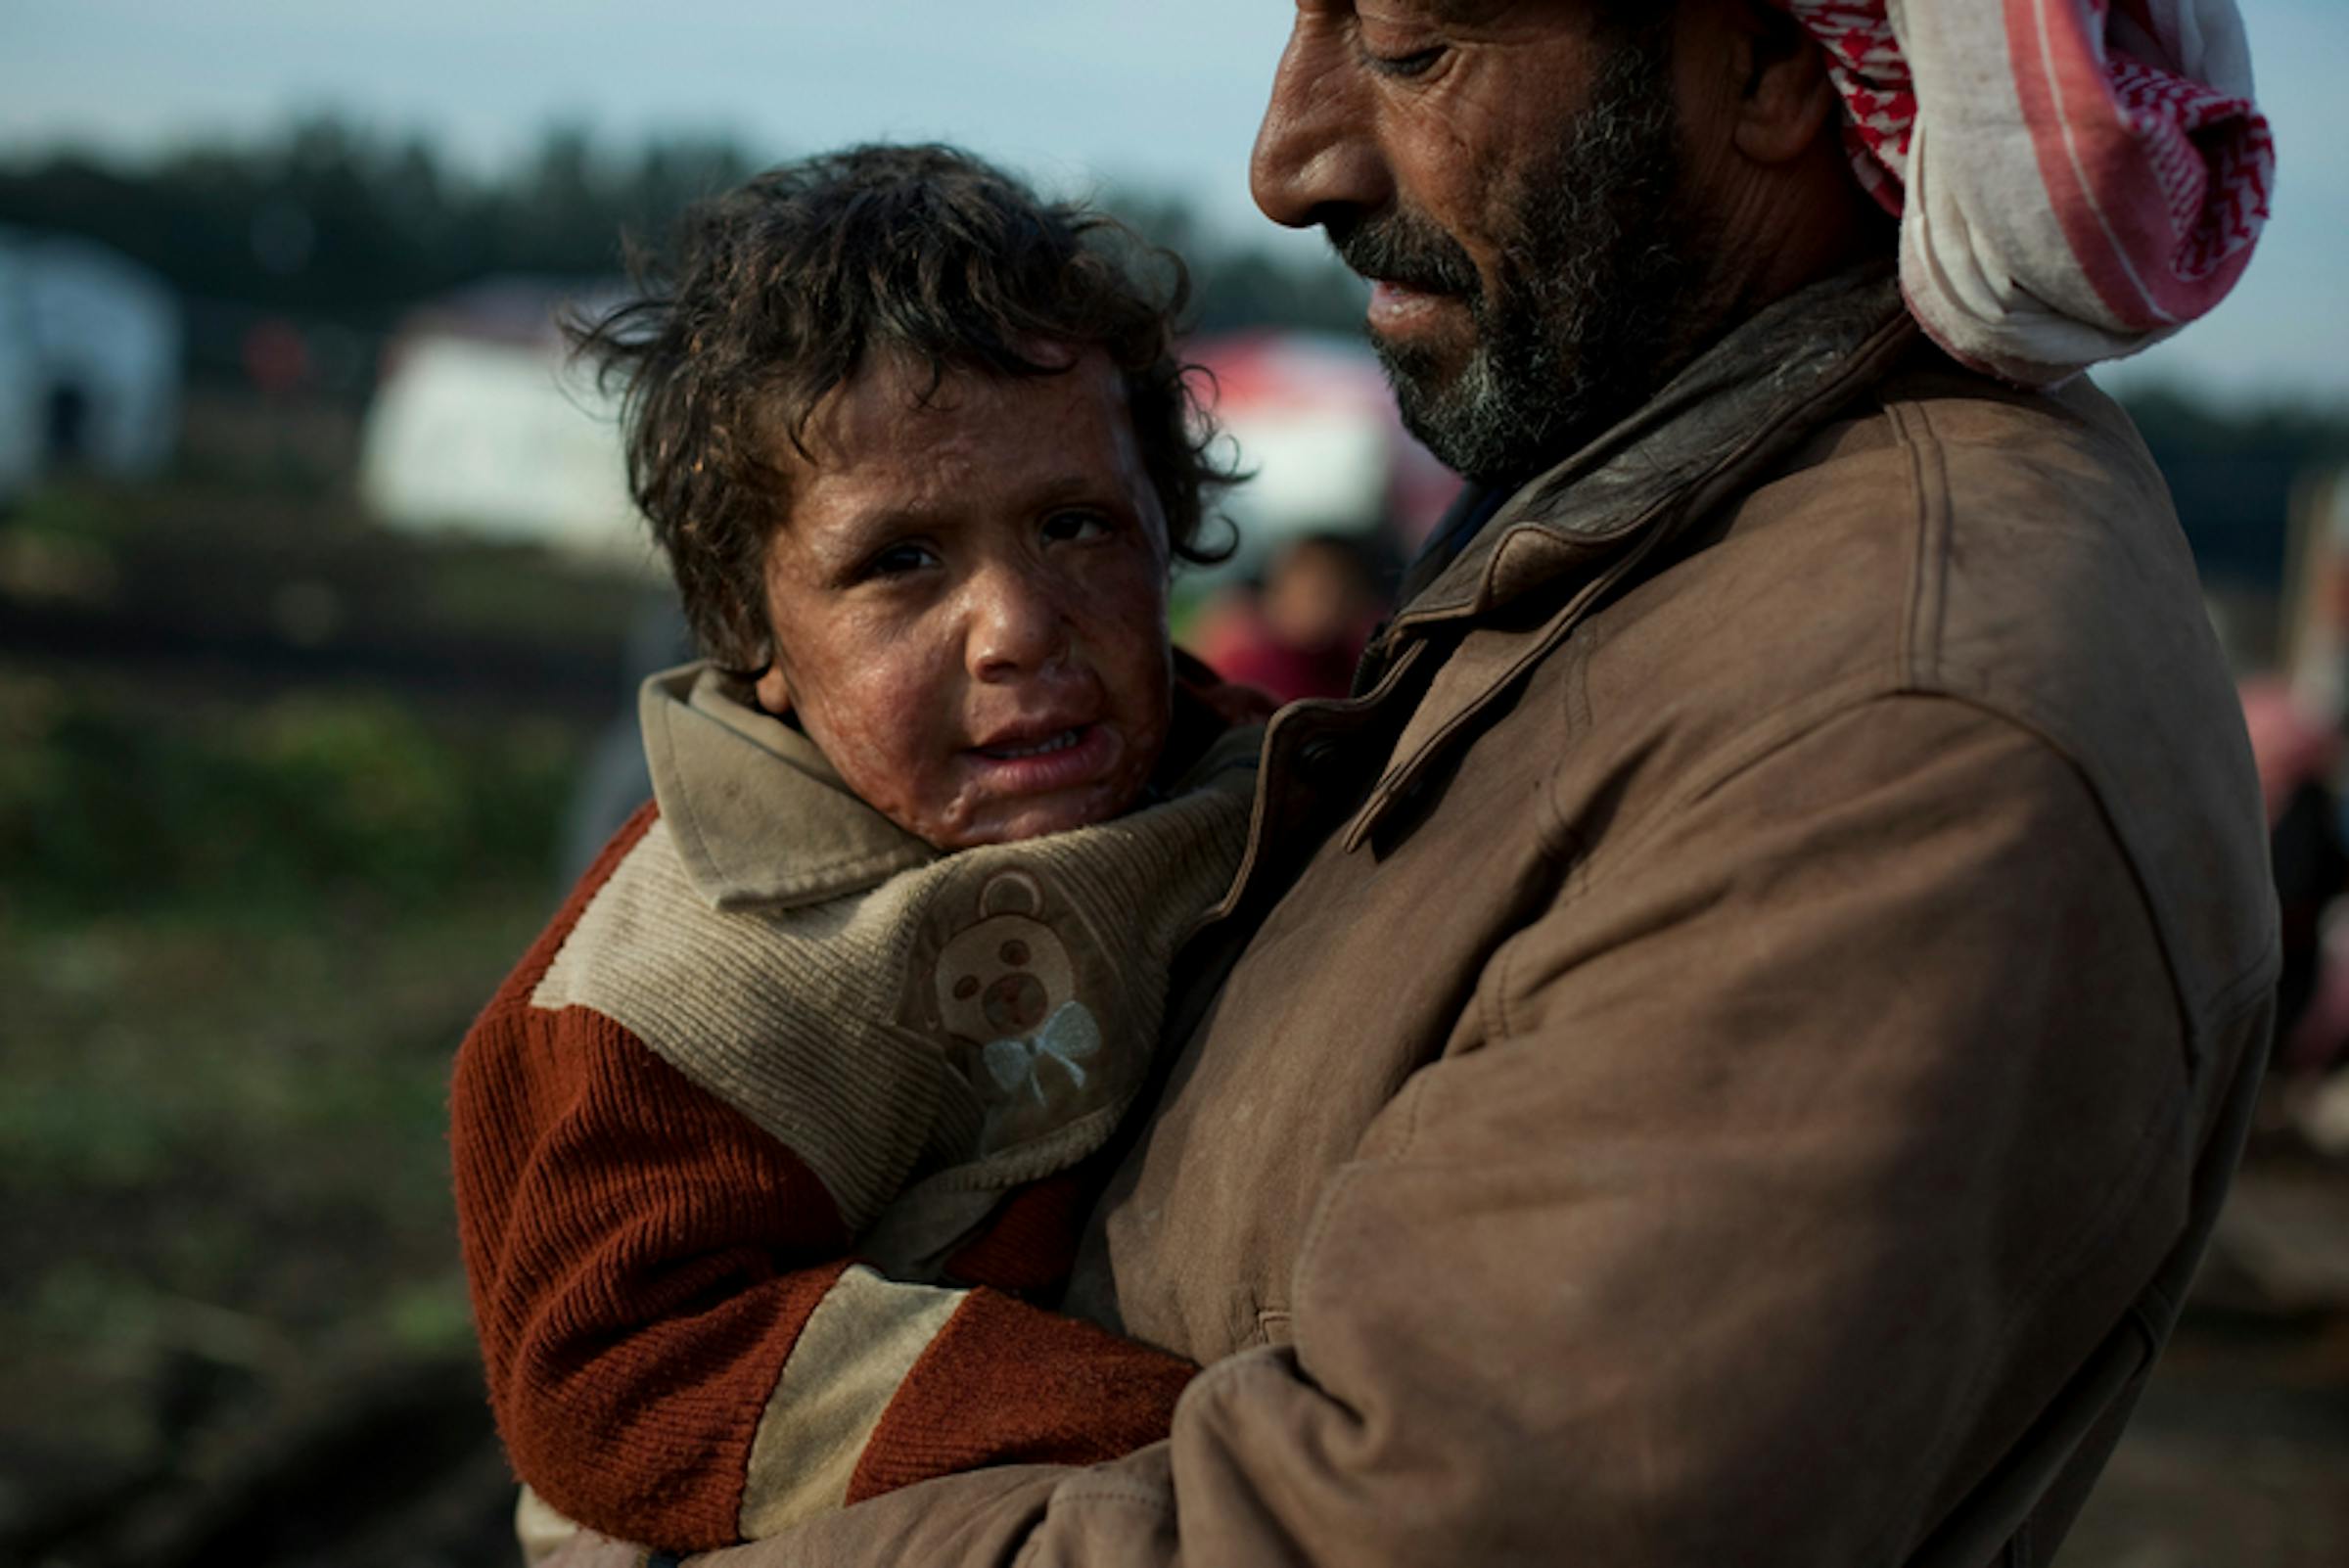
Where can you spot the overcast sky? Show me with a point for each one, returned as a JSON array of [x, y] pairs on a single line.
[[1162, 93]]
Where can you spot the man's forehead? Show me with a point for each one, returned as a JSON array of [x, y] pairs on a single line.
[[1462, 11]]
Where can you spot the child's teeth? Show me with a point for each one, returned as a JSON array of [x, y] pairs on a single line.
[[1058, 743]]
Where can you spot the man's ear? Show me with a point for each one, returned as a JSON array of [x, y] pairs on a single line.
[[1788, 97], [773, 691]]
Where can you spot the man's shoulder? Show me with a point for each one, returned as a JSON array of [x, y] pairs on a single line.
[[2040, 531], [1949, 510], [2018, 551], [1956, 536]]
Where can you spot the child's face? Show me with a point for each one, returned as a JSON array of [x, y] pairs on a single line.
[[970, 600]]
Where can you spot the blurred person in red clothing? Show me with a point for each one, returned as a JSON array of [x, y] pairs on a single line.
[[1300, 633]]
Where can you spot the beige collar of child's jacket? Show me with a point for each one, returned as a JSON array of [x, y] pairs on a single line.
[[760, 817]]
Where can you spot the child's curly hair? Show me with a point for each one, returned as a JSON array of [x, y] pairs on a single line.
[[779, 290]]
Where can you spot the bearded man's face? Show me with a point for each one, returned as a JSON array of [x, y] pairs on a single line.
[[1513, 190]]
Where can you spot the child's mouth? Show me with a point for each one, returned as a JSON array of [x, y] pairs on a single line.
[[1061, 742]]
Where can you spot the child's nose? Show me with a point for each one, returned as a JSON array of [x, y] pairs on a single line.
[[1018, 626]]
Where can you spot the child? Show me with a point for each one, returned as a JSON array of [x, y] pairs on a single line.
[[879, 966]]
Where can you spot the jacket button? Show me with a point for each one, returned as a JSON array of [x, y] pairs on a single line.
[[1319, 754]]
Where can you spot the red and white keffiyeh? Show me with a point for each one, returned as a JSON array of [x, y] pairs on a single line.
[[2076, 180]]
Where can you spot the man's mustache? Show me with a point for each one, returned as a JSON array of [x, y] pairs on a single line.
[[1401, 247]]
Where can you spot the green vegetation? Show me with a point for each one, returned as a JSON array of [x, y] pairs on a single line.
[[263, 811], [240, 937]]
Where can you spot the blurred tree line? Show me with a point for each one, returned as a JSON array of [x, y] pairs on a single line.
[[330, 226], [339, 232], [2235, 472]]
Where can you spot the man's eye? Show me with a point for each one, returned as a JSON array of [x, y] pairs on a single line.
[[1063, 527], [1413, 64]]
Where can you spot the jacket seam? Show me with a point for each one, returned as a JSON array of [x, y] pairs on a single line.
[[1536, 649], [1559, 846], [1926, 613], [1770, 733], [1553, 833], [1980, 689], [1415, 1088], [1924, 669], [1492, 999], [1790, 723], [1496, 987]]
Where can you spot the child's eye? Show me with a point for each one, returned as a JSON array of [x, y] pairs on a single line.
[[1063, 527], [898, 560]]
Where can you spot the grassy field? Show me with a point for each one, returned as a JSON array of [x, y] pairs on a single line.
[[239, 940], [254, 883]]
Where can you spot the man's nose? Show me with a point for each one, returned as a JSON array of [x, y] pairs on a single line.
[[1316, 152], [1018, 624]]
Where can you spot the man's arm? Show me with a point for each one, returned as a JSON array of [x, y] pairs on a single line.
[[1818, 1134], [678, 1346]]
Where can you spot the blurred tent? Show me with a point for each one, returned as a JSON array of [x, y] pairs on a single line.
[[1315, 425], [90, 349], [480, 425]]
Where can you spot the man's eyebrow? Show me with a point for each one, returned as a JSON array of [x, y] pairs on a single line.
[[1456, 12], [1442, 12]]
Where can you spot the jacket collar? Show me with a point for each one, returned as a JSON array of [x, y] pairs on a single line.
[[1744, 403], [1569, 538], [759, 816]]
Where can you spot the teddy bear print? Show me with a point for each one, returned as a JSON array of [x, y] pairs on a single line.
[[1007, 985]]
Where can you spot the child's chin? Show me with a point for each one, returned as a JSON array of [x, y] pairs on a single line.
[[1033, 819]]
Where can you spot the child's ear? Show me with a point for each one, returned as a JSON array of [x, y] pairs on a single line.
[[774, 692]]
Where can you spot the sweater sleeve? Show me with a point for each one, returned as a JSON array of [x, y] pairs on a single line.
[[678, 1347]]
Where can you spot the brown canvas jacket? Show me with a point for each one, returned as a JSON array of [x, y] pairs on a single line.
[[1742, 1029]]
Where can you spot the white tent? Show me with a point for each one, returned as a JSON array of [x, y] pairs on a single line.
[[89, 359], [481, 426]]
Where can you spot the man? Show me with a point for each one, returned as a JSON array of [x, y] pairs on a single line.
[[1739, 1030]]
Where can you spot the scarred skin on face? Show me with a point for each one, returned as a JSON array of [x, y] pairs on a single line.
[[969, 599]]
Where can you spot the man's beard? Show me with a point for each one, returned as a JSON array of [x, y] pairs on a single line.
[[1596, 285]]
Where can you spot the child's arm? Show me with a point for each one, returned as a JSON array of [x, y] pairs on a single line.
[[678, 1351]]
